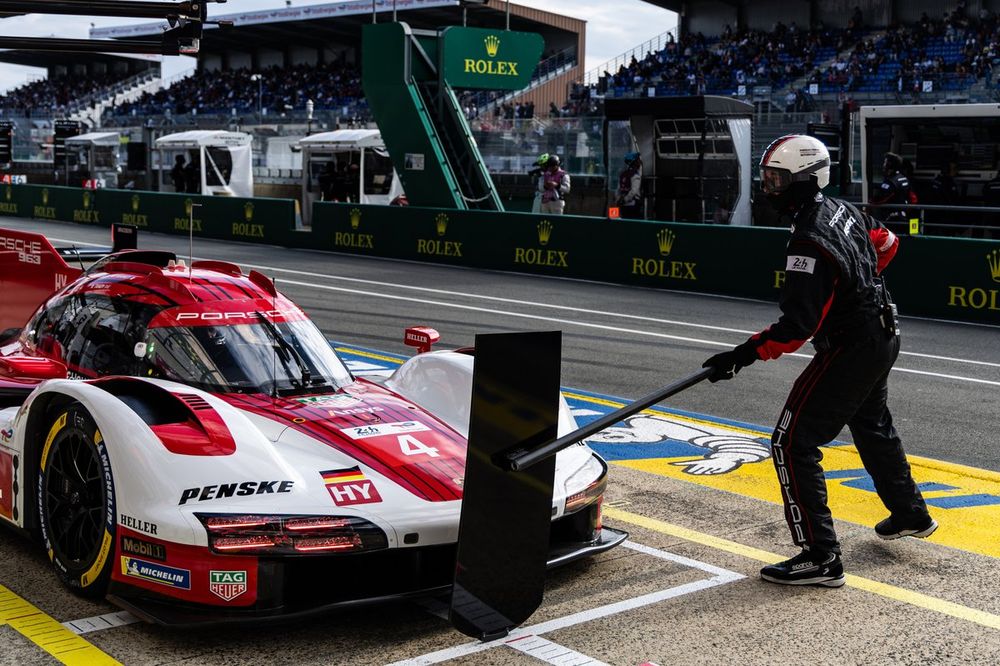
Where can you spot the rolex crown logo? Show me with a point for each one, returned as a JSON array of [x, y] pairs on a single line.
[[993, 259], [135, 203], [544, 232], [188, 207], [441, 224], [86, 199], [9, 193], [45, 196], [355, 218], [248, 211], [665, 239], [492, 45]]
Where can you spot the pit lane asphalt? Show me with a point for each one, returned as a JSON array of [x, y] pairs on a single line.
[[945, 405]]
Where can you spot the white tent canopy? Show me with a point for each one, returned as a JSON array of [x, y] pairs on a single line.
[[199, 138], [96, 139], [345, 139], [225, 159]]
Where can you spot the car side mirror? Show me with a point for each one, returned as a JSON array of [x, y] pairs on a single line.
[[31, 367]]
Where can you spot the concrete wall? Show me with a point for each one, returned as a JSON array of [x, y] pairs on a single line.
[[710, 18], [240, 60], [765, 14], [270, 58]]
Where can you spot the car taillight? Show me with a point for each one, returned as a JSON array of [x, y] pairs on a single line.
[[592, 493], [290, 535]]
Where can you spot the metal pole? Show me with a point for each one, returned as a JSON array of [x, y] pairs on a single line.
[[124, 8], [373, 12], [393, 11], [508, 14], [521, 459]]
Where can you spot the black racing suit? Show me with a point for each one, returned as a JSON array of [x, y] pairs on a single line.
[[896, 190], [831, 294]]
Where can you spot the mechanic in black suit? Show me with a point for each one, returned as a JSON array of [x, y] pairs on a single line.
[[833, 294]]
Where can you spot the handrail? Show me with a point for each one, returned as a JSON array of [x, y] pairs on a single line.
[[591, 77]]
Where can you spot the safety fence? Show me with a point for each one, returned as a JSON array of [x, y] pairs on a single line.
[[227, 218], [947, 278]]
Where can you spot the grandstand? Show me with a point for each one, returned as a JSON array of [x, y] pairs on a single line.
[[795, 62]]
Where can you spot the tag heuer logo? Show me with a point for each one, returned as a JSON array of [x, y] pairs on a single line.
[[227, 585]]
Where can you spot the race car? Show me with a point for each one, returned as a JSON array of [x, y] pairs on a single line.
[[183, 440]]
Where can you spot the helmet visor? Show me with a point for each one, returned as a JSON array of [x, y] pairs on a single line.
[[774, 181]]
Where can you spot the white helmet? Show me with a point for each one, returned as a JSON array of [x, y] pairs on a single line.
[[793, 158]]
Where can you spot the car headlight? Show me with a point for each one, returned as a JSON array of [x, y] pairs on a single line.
[[290, 535], [586, 485]]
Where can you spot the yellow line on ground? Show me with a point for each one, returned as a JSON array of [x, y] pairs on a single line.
[[882, 589], [367, 354], [49, 635]]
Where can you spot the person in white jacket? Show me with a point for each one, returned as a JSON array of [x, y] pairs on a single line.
[[554, 186]]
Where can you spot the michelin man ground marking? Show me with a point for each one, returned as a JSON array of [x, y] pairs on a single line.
[[726, 452]]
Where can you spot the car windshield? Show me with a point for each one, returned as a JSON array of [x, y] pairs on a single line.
[[262, 357]]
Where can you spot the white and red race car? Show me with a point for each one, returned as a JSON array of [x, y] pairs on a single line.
[[185, 441]]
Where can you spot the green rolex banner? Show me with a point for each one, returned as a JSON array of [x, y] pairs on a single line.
[[491, 59]]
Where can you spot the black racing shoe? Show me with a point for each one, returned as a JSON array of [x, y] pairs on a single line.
[[810, 567], [894, 528]]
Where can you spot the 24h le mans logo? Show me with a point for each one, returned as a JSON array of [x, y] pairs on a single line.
[[227, 585]]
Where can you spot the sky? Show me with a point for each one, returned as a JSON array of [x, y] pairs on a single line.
[[613, 27]]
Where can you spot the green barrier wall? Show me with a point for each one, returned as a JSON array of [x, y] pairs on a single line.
[[269, 221], [931, 277]]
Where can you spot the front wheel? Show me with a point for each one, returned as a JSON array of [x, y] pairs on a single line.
[[77, 501]]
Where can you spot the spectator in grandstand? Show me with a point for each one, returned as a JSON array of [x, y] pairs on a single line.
[[177, 176], [554, 186], [894, 190], [629, 198], [834, 294]]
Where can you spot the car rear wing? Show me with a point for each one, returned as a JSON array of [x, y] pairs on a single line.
[[31, 270]]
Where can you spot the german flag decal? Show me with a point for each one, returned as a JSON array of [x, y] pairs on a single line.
[[349, 486]]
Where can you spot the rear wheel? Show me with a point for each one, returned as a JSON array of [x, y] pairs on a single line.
[[77, 502]]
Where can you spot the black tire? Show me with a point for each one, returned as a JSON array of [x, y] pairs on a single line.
[[76, 502]]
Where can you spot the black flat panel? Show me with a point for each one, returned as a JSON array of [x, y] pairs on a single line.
[[503, 538]]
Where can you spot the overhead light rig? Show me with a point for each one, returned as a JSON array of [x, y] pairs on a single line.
[[186, 22]]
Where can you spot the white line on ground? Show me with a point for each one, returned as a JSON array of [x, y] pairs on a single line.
[[552, 306], [99, 622], [570, 322], [603, 327], [719, 577]]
